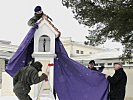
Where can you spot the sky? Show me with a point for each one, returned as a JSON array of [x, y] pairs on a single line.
[[16, 13]]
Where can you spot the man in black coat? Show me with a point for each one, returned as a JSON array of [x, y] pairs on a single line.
[[92, 64], [26, 77], [117, 83]]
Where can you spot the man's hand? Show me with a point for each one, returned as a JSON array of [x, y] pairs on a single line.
[[46, 79]]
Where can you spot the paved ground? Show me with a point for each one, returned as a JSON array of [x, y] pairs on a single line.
[[8, 98], [15, 98]]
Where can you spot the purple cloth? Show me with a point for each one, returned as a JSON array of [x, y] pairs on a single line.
[[73, 81], [23, 54]]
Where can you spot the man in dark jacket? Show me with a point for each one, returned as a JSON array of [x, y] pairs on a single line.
[[26, 77], [92, 64], [37, 16], [117, 83]]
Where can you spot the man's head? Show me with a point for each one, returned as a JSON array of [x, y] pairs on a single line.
[[91, 64], [117, 66], [38, 10], [37, 65]]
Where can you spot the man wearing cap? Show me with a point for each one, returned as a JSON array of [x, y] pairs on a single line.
[[26, 77], [92, 64], [37, 16]]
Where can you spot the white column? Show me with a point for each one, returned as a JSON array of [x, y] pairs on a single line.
[[51, 82]]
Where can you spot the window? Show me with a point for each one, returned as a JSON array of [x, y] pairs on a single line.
[[77, 51], [123, 63], [109, 63], [130, 62], [90, 52], [82, 52], [6, 61], [101, 64], [4, 65]]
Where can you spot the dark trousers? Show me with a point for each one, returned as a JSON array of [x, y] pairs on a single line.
[[23, 96], [115, 98]]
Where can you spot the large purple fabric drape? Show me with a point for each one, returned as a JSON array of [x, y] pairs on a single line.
[[72, 81], [23, 54]]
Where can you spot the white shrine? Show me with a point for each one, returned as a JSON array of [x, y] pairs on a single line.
[[44, 51]]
